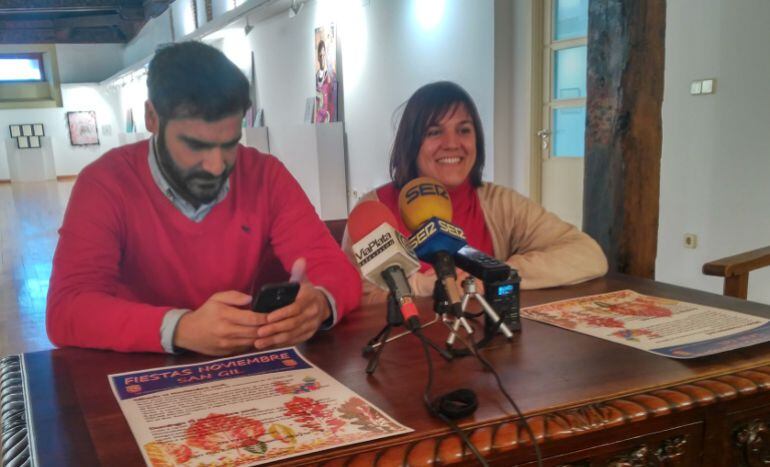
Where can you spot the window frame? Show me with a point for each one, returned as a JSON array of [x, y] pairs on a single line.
[[38, 56], [550, 47]]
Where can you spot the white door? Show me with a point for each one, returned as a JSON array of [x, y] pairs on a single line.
[[562, 134]]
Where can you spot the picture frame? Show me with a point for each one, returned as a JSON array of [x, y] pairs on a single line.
[[34, 141], [26, 130], [82, 128], [15, 130], [22, 142], [38, 129]]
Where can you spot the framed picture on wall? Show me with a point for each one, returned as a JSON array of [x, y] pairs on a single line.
[[38, 129], [325, 74], [22, 142], [15, 130], [26, 130], [82, 128], [34, 141]]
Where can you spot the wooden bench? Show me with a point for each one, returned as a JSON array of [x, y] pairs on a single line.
[[735, 269]]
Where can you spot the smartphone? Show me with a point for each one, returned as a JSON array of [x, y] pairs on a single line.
[[274, 296]]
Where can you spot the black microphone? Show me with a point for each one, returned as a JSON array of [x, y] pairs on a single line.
[[481, 265]]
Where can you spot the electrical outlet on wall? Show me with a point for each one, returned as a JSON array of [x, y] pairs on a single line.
[[690, 240], [702, 86], [695, 87]]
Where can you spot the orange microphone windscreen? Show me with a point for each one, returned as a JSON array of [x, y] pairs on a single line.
[[367, 216], [421, 199]]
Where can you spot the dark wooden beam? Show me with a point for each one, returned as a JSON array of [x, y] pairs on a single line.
[[626, 40], [59, 6], [109, 34], [75, 21], [153, 8]]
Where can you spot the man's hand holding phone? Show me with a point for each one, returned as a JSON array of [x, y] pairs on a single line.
[[297, 322], [223, 325], [294, 323]]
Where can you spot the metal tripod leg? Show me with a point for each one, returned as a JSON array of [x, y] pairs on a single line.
[[374, 360], [469, 289]]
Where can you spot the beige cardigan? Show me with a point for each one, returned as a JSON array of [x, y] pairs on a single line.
[[545, 250]]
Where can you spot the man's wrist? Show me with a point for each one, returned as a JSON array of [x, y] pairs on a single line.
[[330, 309], [169, 330]]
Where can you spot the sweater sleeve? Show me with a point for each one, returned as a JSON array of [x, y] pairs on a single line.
[[297, 231], [421, 283], [83, 307], [546, 251]]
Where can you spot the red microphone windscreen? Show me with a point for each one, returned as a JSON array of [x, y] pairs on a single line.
[[367, 216]]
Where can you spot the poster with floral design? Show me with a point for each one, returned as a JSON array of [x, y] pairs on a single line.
[[245, 410], [659, 325]]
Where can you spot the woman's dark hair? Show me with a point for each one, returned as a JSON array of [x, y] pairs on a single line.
[[195, 80], [427, 106]]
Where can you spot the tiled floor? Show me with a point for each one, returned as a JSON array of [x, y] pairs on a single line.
[[30, 215]]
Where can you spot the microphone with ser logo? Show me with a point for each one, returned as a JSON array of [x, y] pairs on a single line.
[[427, 211], [426, 208]]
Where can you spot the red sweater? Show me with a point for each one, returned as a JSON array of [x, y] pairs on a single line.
[[126, 255]]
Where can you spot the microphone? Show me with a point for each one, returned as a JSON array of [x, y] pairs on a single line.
[[427, 211], [384, 255], [481, 265]]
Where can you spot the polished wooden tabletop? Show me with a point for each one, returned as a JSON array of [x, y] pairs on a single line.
[[75, 419]]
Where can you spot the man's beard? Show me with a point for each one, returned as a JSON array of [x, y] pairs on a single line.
[[196, 186]]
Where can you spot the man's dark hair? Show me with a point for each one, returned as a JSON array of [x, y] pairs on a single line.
[[427, 106], [195, 80]]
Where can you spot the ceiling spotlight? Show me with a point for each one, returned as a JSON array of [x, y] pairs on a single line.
[[295, 8]]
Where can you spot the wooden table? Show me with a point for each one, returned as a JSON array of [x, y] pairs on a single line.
[[589, 402]]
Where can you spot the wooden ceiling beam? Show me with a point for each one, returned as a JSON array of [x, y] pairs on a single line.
[[75, 21], [58, 6]]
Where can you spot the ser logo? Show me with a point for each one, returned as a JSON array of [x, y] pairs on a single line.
[[419, 237], [425, 189], [451, 229], [406, 245]]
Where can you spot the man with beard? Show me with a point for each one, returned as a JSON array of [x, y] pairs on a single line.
[[164, 240]]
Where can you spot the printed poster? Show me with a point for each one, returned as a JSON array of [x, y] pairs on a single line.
[[245, 410], [82, 128], [325, 74], [662, 326]]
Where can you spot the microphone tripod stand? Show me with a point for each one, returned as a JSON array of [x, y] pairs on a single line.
[[470, 291], [443, 308], [394, 319]]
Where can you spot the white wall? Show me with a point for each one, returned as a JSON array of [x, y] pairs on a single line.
[[88, 63], [182, 18], [716, 148], [68, 159], [513, 94], [387, 53], [132, 96], [157, 31]]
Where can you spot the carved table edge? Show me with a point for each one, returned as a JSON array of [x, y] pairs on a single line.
[[499, 436], [14, 420]]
